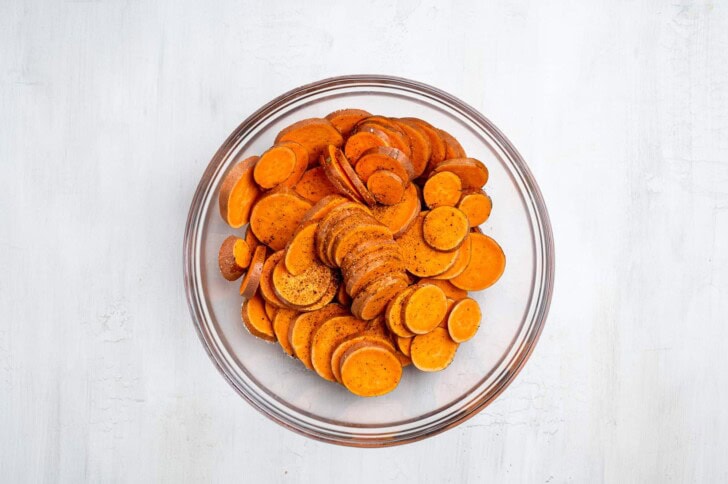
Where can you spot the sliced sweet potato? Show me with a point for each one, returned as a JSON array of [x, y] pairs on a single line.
[[359, 143], [370, 302], [348, 342], [373, 246], [276, 166], [404, 360], [442, 189], [249, 284], [238, 193], [476, 205], [281, 326], [487, 263], [370, 370], [315, 134], [327, 337], [386, 187], [404, 345], [464, 320], [276, 216], [266, 280], [301, 331], [345, 119], [328, 296], [420, 259], [450, 304], [357, 280], [453, 148], [356, 235], [330, 228], [300, 252], [462, 261], [436, 143], [445, 228], [473, 173], [251, 239], [450, 291], [398, 139], [354, 179], [393, 314], [323, 207], [384, 158], [342, 296], [231, 267], [314, 185], [400, 216], [304, 289], [433, 351], [423, 308], [255, 319], [336, 175], [378, 327], [270, 310], [420, 143]]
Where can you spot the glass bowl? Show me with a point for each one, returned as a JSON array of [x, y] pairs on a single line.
[[424, 404]]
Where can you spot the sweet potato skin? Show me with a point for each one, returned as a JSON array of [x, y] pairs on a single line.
[[238, 193]]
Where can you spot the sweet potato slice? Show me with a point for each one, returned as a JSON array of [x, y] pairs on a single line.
[[386, 187], [303, 289], [336, 175], [420, 259], [255, 319], [404, 360], [423, 308], [300, 253], [328, 296], [249, 284], [404, 345], [462, 261], [367, 336], [436, 143], [327, 337], [314, 185], [370, 302], [487, 263], [453, 148], [238, 193], [347, 241], [420, 143], [315, 134], [359, 143], [321, 208], [354, 179], [301, 331], [281, 326], [370, 370], [464, 320], [251, 239], [442, 189], [473, 173], [383, 158], [233, 257], [345, 119], [270, 310], [445, 228], [275, 166], [371, 246], [450, 291], [276, 216], [393, 314], [266, 280], [400, 216], [329, 230], [398, 139], [433, 351], [371, 271], [342, 296], [476, 205], [450, 304]]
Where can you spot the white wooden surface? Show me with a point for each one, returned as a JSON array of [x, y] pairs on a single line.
[[110, 110]]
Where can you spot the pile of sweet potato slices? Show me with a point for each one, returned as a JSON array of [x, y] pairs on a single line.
[[362, 243]]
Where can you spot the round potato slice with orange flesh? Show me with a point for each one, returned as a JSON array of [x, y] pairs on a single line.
[[386, 187], [445, 228], [473, 174], [423, 308], [270, 310], [300, 253], [333, 168], [327, 298], [384, 158], [462, 261], [315, 134], [281, 325], [255, 319], [314, 185], [354, 179], [323, 207], [251, 239], [359, 143], [400, 216], [420, 259], [370, 370], [304, 289], [371, 301], [398, 139], [339, 231], [342, 296], [346, 241], [251, 281], [238, 193], [433, 351], [436, 143], [266, 280], [327, 337], [329, 224], [442, 189], [372, 246], [393, 314], [420, 143], [464, 320], [345, 119], [230, 267], [487, 263], [275, 166], [404, 345], [369, 337], [453, 148], [276, 216], [302, 330], [476, 205], [358, 279], [450, 291]]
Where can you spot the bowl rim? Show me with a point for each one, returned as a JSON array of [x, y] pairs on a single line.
[[543, 224]]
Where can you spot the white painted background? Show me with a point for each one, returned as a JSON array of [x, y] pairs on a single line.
[[110, 110]]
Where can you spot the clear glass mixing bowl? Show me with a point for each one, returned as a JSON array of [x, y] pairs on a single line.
[[424, 404]]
